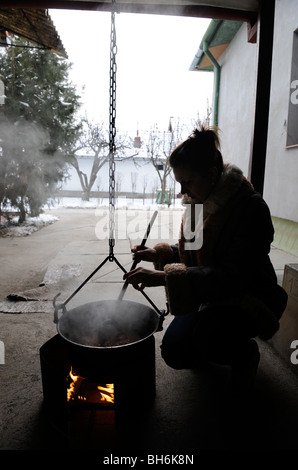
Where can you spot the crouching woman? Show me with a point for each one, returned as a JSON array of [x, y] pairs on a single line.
[[223, 291]]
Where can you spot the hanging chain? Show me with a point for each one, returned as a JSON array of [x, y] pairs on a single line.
[[112, 135], [112, 151]]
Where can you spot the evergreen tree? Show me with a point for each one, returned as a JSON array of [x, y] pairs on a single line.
[[38, 126]]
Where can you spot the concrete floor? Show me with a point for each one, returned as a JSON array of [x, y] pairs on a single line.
[[193, 412]]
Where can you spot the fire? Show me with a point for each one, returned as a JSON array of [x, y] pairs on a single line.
[[107, 392], [72, 385], [79, 389]]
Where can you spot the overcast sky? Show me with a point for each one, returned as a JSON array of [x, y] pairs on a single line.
[[153, 59]]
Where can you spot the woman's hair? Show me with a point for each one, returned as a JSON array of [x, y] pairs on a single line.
[[200, 152]]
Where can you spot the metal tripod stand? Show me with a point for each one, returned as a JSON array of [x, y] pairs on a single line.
[[112, 150]]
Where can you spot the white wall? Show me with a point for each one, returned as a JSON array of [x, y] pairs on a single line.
[[237, 105], [281, 178], [124, 169], [237, 99]]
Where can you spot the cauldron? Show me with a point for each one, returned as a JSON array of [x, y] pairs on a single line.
[[108, 334]]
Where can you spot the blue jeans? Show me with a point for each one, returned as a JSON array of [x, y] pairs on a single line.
[[221, 335]]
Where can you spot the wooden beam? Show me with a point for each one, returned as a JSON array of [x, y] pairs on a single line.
[[260, 133], [252, 32], [199, 11]]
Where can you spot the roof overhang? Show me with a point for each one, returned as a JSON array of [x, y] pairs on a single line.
[[238, 10], [35, 25], [218, 37]]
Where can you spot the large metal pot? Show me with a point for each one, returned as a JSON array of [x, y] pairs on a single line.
[[108, 333]]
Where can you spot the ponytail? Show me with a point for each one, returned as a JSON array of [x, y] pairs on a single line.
[[200, 152]]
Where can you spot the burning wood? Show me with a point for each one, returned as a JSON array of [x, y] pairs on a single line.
[[83, 391], [107, 392], [74, 385]]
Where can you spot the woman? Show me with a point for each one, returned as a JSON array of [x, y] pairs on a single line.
[[222, 292]]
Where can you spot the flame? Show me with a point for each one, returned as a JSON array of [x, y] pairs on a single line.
[[71, 388], [107, 392]]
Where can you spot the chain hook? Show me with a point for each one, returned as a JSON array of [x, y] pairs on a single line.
[[112, 134]]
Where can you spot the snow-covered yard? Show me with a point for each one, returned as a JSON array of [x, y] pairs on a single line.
[[32, 224]]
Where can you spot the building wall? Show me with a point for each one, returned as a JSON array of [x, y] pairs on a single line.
[[237, 99], [281, 178], [236, 118], [144, 174]]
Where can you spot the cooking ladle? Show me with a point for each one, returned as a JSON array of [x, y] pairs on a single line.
[[134, 264]]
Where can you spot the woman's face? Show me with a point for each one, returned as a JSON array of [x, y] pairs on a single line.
[[194, 184]]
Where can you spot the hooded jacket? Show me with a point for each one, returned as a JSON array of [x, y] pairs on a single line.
[[232, 265]]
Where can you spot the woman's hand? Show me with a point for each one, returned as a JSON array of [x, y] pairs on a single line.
[[144, 253], [145, 277]]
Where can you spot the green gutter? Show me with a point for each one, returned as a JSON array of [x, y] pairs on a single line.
[[218, 32], [217, 81]]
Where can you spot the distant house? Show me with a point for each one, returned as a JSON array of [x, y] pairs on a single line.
[[130, 177], [227, 50]]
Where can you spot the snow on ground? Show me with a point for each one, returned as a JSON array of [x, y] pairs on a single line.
[[120, 202], [32, 224]]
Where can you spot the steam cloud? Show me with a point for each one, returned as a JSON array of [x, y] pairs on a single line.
[[27, 168], [108, 323]]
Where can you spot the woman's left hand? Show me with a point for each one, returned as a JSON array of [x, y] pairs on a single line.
[[145, 277]]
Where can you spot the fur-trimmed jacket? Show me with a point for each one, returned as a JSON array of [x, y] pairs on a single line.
[[232, 265]]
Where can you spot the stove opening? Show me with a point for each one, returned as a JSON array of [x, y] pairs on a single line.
[[101, 391], [82, 391]]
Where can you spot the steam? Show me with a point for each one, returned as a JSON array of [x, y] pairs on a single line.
[[108, 323], [27, 167]]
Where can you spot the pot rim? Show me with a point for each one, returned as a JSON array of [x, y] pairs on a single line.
[[116, 346]]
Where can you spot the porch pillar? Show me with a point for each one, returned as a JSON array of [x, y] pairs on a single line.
[[260, 132]]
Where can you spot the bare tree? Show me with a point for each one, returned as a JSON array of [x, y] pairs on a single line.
[[159, 147], [206, 118], [92, 139], [95, 141]]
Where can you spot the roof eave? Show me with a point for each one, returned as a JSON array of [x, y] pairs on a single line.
[[35, 26], [210, 38]]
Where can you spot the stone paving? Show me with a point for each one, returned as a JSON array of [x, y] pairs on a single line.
[[193, 410]]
